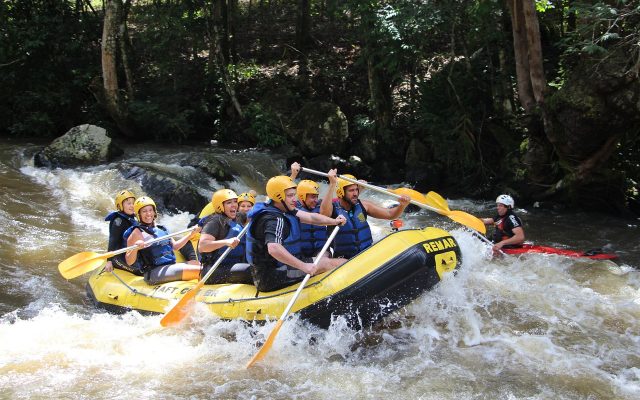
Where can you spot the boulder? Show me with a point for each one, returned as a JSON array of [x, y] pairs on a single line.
[[169, 194], [319, 128], [213, 166], [420, 167], [82, 145]]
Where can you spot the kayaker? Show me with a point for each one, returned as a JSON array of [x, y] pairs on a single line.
[[355, 236], [509, 232], [273, 239], [308, 192], [221, 230], [157, 262], [119, 222]]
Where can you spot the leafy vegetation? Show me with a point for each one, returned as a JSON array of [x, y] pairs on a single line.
[[436, 74]]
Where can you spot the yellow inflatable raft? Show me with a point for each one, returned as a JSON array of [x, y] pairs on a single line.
[[375, 282]]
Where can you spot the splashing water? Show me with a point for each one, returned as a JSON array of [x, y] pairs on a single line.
[[532, 326]]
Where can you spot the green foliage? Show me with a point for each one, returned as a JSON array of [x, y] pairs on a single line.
[[47, 58], [603, 27], [244, 71], [543, 5], [264, 125]]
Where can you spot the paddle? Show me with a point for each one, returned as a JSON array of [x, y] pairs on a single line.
[[87, 261], [183, 306], [460, 217], [413, 194], [437, 201], [272, 336]]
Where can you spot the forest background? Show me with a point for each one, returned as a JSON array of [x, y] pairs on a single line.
[[540, 99]]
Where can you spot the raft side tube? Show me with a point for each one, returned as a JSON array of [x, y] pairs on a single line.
[[379, 280]]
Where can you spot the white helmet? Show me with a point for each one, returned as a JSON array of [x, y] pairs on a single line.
[[506, 200]]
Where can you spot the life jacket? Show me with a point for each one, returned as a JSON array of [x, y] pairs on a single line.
[[355, 235], [312, 237], [503, 230], [113, 214], [119, 222], [129, 221], [158, 254], [236, 255], [263, 261]]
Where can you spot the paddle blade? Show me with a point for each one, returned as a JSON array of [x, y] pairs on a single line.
[[267, 344], [436, 201], [80, 263], [182, 308], [413, 194], [469, 220]]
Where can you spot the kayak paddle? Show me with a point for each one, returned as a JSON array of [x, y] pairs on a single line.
[[272, 336], [460, 217], [87, 261]]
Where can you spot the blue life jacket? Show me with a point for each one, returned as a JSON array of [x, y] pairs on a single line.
[[312, 237], [291, 242], [235, 256], [355, 235], [160, 253]]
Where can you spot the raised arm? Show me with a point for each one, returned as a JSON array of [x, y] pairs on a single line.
[[295, 170], [326, 207]]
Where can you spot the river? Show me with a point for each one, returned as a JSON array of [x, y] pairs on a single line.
[[528, 327]]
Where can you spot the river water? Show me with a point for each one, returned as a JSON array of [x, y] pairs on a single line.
[[529, 327]]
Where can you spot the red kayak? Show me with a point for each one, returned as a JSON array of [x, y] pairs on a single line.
[[596, 254]]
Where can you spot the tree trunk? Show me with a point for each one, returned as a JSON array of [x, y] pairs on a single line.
[[380, 90], [109, 53], [216, 60], [108, 95], [303, 25], [521, 53], [536, 69], [531, 85], [232, 21], [125, 48]]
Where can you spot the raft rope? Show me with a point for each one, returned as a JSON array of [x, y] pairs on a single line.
[[133, 290]]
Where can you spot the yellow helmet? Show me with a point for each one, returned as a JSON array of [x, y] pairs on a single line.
[[143, 202], [306, 187], [344, 183], [277, 185], [121, 197], [247, 197], [220, 197]]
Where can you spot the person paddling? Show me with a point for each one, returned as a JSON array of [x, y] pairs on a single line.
[[157, 262], [119, 222], [273, 239], [355, 236], [508, 232], [221, 230]]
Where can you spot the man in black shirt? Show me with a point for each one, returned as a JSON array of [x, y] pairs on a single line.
[[273, 240]]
